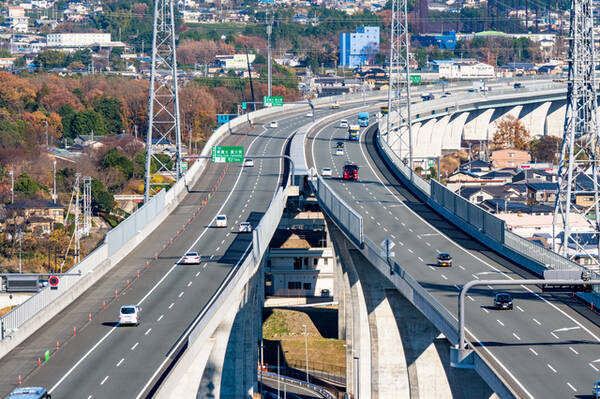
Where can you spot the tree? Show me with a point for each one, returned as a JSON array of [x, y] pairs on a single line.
[[27, 186], [87, 120], [421, 56], [102, 200], [510, 133], [50, 59], [114, 159], [110, 109], [545, 148]]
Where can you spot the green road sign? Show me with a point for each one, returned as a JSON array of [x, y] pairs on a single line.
[[415, 78], [273, 101], [184, 166], [243, 105], [224, 153], [431, 163]]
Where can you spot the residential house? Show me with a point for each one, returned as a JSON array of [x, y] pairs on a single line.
[[36, 215], [477, 166], [535, 176], [541, 192], [503, 175], [509, 158]]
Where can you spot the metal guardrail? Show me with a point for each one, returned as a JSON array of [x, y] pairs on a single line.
[[295, 381]]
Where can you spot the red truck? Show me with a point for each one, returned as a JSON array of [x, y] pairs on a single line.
[[350, 171]]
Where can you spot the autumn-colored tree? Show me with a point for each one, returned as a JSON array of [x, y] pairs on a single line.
[[510, 133]]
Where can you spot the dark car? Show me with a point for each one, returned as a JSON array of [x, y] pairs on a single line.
[[518, 85], [503, 301], [340, 144], [444, 259]]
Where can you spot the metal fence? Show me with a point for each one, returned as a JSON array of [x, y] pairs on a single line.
[[295, 381], [338, 209]]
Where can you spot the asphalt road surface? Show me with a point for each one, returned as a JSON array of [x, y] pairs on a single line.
[[543, 348]]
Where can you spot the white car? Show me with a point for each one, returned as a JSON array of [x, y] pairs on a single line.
[[130, 314], [221, 221], [334, 105], [339, 151], [326, 172], [245, 227], [309, 114], [248, 162], [191, 258], [343, 123], [273, 124]]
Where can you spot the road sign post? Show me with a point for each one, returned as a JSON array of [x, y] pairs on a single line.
[[222, 154], [53, 281], [387, 246]]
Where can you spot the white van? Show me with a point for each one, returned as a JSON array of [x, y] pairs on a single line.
[[343, 123], [130, 314], [221, 221]]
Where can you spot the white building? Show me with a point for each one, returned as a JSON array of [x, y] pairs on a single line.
[[463, 69], [81, 40], [300, 259], [17, 20]]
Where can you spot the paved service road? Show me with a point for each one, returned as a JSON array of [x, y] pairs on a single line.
[[543, 348], [287, 391], [105, 360]]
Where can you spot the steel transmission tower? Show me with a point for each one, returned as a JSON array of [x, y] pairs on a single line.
[[163, 101], [87, 205], [398, 65], [580, 153]]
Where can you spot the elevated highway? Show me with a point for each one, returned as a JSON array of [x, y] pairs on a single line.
[[546, 347]]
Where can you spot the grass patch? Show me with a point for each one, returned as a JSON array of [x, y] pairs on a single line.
[[7, 309]]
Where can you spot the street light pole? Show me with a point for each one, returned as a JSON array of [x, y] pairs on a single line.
[[306, 350], [278, 374], [20, 238], [12, 186]]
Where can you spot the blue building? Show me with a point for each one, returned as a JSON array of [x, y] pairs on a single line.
[[445, 41], [359, 48]]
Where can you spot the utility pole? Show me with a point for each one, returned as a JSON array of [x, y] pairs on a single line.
[[54, 180], [306, 350], [46, 131], [578, 172], [20, 238], [269, 30], [399, 62], [163, 99], [12, 186]]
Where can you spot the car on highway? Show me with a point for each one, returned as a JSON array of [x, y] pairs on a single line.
[[273, 124], [596, 390], [309, 114], [339, 151], [344, 123], [191, 258], [334, 105], [130, 314], [248, 162], [518, 85], [444, 259], [350, 171], [29, 393], [221, 221], [245, 227], [503, 300], [326, 172], [339, 144]]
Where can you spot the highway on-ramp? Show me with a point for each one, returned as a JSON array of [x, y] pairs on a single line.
[[102, 359], [542, 349]]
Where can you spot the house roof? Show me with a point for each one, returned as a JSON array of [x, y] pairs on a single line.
[[518, 187], [465, 172], [497, 174], [34, 204], [543, 186], [476, 163], [509, 206], [494, 191]]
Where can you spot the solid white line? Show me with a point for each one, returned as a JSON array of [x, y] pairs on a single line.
[[180, 294], [537, 322], [572, 387], [120, 361], [171, 305], [551, 368], [82, 359], [499, 322], [148, 332], [104, 380], [516, 336], [534, 352], [573, 350], [135, 345]]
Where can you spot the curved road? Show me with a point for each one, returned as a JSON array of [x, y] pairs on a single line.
[[543, 348]]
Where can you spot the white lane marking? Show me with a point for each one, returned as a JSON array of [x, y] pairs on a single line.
[[516, 336], [594, 367], [227, 235], [160, 317], [402, 223], [551, 368], [485, 310], [180, 294], [120, 361], [554, 335], [393, 236], [197, 274], [190, 283], [171, 305], [471, 298], [104, 380], [474, 275], [499, 322], [90, 397], [148, 332], [533, 351], [421, 259], [518, 307], [216, 250], [573, 350], [428, 244], [537, 322], [386, 230], [462, 267], [572, 387], [135, 345], [410, 250], [490, 287], [438, 251], [432, 268], [444, 277], [204, 267], [401, 243], [223, 242]]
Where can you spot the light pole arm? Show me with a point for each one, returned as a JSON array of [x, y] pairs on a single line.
[[463, 293]]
